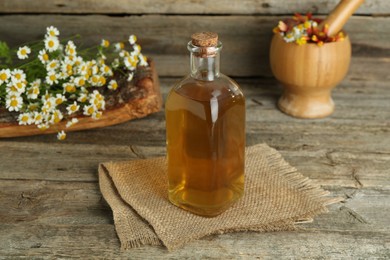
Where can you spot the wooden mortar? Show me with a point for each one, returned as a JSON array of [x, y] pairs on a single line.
[[309, 72]]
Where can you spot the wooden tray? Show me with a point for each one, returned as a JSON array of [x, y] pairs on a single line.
[[144, 98]]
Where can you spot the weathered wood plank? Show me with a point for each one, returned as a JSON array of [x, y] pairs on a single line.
[[246, 39], [81, 203], [46, 219], [99, 241], [184, 6], [348, 148], [58, 162]]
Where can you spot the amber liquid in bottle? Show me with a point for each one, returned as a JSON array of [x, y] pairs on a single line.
[[205, 144]]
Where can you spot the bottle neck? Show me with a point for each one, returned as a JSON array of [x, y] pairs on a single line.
[[205, 62]]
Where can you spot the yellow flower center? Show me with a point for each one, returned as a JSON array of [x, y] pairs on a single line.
[[51, 44], [95, 79], [3, 76], [14, 103], [53, 77], [57, 119], [53, 65], [38, 117], [98, 115], [73, 108], [102, 80], [114, 85], [23, 52], [45, 57], [59, 101], [90, 110], [70, 88], [24, 118], [18, 76], [81, 82]]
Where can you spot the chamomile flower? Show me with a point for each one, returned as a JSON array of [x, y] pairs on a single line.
[[115, 64], [38, 118], [43, 56], [89, 110], [5, 75], [23, 52], [56, 116], [143, 60], [119, 46], [33, 106], [61, 135], [20, 86], [52, 78], [102, 80], [97, 115], [105, 43], [124, 53], [14, 103], [73, 108], [52, 31], [113, 84], [69, 87], [53, 65], [25, 119], [94, 80], [72, 122], [43, 126], [82, 98], [70, 49], [18, 75], [59, 99], [32, 92], [79, 81], [136, 49], [132, 39], [130, 62], [51, 43], [106, 70], [48, 105], [130, 77]]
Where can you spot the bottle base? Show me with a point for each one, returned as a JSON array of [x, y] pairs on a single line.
[[179, 199]]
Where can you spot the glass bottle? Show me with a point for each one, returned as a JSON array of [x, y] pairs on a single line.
[[205, 124]]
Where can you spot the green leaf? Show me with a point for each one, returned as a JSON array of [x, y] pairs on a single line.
[[5, 55]]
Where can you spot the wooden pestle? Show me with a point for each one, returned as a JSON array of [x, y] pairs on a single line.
[[340, 15]]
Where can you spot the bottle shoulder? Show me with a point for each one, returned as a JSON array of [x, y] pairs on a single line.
[[221, 87]]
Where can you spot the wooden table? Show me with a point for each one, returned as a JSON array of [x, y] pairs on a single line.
[[51, 206]]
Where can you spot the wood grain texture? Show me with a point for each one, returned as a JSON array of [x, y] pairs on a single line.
[[71, 220], [246, 39], [52, 208], [184, 6]]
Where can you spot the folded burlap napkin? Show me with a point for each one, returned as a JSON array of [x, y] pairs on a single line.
[[276, 197]]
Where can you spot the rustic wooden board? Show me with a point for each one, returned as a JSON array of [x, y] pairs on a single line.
[[246, 39], [150, 101], [185, 6]]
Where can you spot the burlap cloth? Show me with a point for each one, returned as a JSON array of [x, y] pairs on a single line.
[[276, 197]]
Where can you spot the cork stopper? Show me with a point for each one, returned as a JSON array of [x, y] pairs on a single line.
[[205, 39]]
